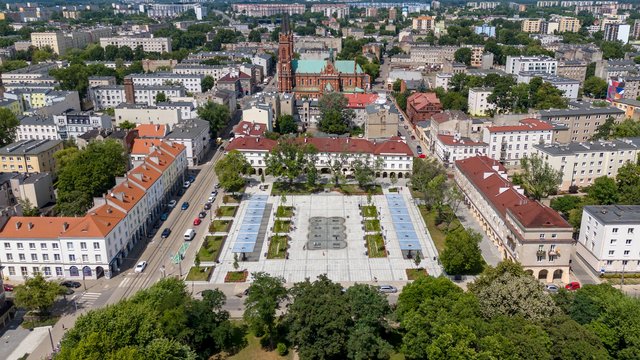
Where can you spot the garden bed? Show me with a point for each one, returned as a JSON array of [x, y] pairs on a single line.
[[38, 322], [375, 246], [372, 225], [220, 226], [413, 274], [278, 247], [438, 233], [231, 199], [369, 211], [210, 250], [281, 226], [226, 211], [236, 276], [353, 189], [200, 274], [284, 211]]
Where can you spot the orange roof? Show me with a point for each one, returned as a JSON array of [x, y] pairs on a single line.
[[144, 146], [38, 227], [125, 195], [172, 148], [422, 100], [463, 141], [97, 223], [251, 143], [527, 125], [144, 175], [155, 131], [360, 101], [248, 128]]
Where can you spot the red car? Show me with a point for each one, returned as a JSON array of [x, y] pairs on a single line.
[[197, 221], [7, 287], [574, 285]]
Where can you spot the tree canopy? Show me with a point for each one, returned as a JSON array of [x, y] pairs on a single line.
[[289, 159], [538, 178], [230, 170], [216, 114], [335, 117], [8, 125]]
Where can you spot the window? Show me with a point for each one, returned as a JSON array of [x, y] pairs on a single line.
[[611, 252], [7, 246], [20, 247], [9, 257], [630, 231], [626, 252], [54, 246], [541, 236], [32, 246], [98, 258], [83, 246], [69, 246], [85, 258], [609, 262], [12, 270], [628, 241], [72, 258], [613, 241], [34, 257], [45, 257], [56, 257], [22, 257], [43, 246], [24, 271], [47, 271], [614, 230], [36, 270], [96, 246]]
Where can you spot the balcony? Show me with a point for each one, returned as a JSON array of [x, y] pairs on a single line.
[[541, 253]]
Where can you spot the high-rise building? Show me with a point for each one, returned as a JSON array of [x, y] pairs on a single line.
[[424, 23], [531, 25], [617, 32]]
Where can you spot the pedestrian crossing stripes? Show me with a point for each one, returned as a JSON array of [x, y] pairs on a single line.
[[125, 282]]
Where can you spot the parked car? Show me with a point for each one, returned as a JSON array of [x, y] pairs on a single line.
[[164, 216], [172, 204], [217, 186], [7, 287], [165, 233], [186, 184], [574, 285], [185, 205], [387, 289], [207, 206], [197, 221], [419, 149], [71, 284], [552, 288], [211, 198], [192, 179], [202, 214], [68, 291], [141, 266]]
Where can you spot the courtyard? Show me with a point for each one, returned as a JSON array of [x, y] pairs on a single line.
[[327, 233]]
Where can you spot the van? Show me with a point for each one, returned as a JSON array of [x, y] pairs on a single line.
[[189, 234]]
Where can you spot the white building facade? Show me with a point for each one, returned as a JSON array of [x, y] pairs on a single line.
[[509, 144]]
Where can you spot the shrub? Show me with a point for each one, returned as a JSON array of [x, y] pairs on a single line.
[[282, 349], [573, 189]]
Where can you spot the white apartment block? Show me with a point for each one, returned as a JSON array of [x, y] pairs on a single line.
[[510, 143], [395, 154], [450, 148], [477, 102], [192, 83], [569, 87], [540, 64], [194, 135], [72, 124], [34, 74], [186, 108], [94, 245], [37, 128], [111, 96], [149, 44], [609, 240], [581, 163], [173, 10], [143, 114]]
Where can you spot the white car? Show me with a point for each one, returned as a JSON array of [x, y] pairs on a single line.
[[211, 198], [186, 184], [141, 266]]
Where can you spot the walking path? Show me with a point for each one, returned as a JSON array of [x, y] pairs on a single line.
[[489, 251]]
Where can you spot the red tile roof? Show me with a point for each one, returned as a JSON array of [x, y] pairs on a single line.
[[332, 145], [251, 143], [422, 100], [144, 146], [485, 174], [230, 78], [155, 131], [527, 125], [465, 141], [247, 128], [360, 101]]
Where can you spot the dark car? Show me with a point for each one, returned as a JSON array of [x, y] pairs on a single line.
[[165, 233], [7, 287], [207, 206], [192, 179], [185, 205], [164, 216], [202, 215], [71, 284]]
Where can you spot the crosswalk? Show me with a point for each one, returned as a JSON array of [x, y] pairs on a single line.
[[124, 283], [87, 299]]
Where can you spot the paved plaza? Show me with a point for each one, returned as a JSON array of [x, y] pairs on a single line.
[[348, 264]]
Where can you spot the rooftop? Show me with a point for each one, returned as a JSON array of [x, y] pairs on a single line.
[[614, 214], [593, 146], [525, 125], [29, 147], [189, 129]]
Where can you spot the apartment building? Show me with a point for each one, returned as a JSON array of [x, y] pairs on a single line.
[[37, 128], [421, 106], [587, 53], [510, 143], [96, 244], [381, 121], [485, 29], [61, 42], [173, 10], [192, 83], [523, 230], [581, 163], [340, 10], [431, 55], [569, 87], [606, 69], [72, 124], [395, 155], [44, 101], [149, 44], [30, 156], [567, 24], [573, 69], [260, 10], [32, 75], [424, 23], [14, 106], [531, 25], [617, 32], [451, 148], [631, 107], [194, 135], [112, 96], [609, 240], [37, 188], [478, 103], [539, 64], [580, 120]]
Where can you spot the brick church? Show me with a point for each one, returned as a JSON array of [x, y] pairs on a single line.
[[312, 78]]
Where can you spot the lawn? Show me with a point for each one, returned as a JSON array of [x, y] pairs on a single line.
[[281, 226], [375, 246], [226, 211], [437, 234], [369, 211], [354, 189], [393, 190], [45, 321], [236, 276], [280, 188], [278, 247], [413, 274], [231, 199], [201, 274], [371, 225], [220, 226], [210, 249], [284, 211], [254, 350]]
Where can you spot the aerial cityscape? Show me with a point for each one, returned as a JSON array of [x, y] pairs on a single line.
[[259, 179]]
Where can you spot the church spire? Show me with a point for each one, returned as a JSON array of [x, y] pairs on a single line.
[[285, 24]]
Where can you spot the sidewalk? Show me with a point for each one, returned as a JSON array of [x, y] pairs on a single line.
[[489, 252]]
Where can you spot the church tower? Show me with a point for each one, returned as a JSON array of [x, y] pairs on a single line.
[[285, 56]]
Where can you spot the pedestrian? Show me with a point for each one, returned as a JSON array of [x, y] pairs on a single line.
[[323, 253], [375, 279], [63, 327]]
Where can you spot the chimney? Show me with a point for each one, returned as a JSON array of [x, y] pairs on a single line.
[[30, 225], [65, 226], [129, 94], [18, 224]]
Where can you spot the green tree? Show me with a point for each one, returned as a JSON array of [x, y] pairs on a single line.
[[255, 35], [27, 208], [595, 87], [628, 180], [603, 191], [335, 117], [572, 341], [289, 159], [564, 204], [463, 55], [207, 83], [286, 124], [539, 179], [127, 125], [216, 114], [462, 255], [8, 125], [37, 294], [605, 129], [266, 294], [429, 178], [161, 97], [425, 287], [364, 170], [230, 170], [397, 85], [627, 128]]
